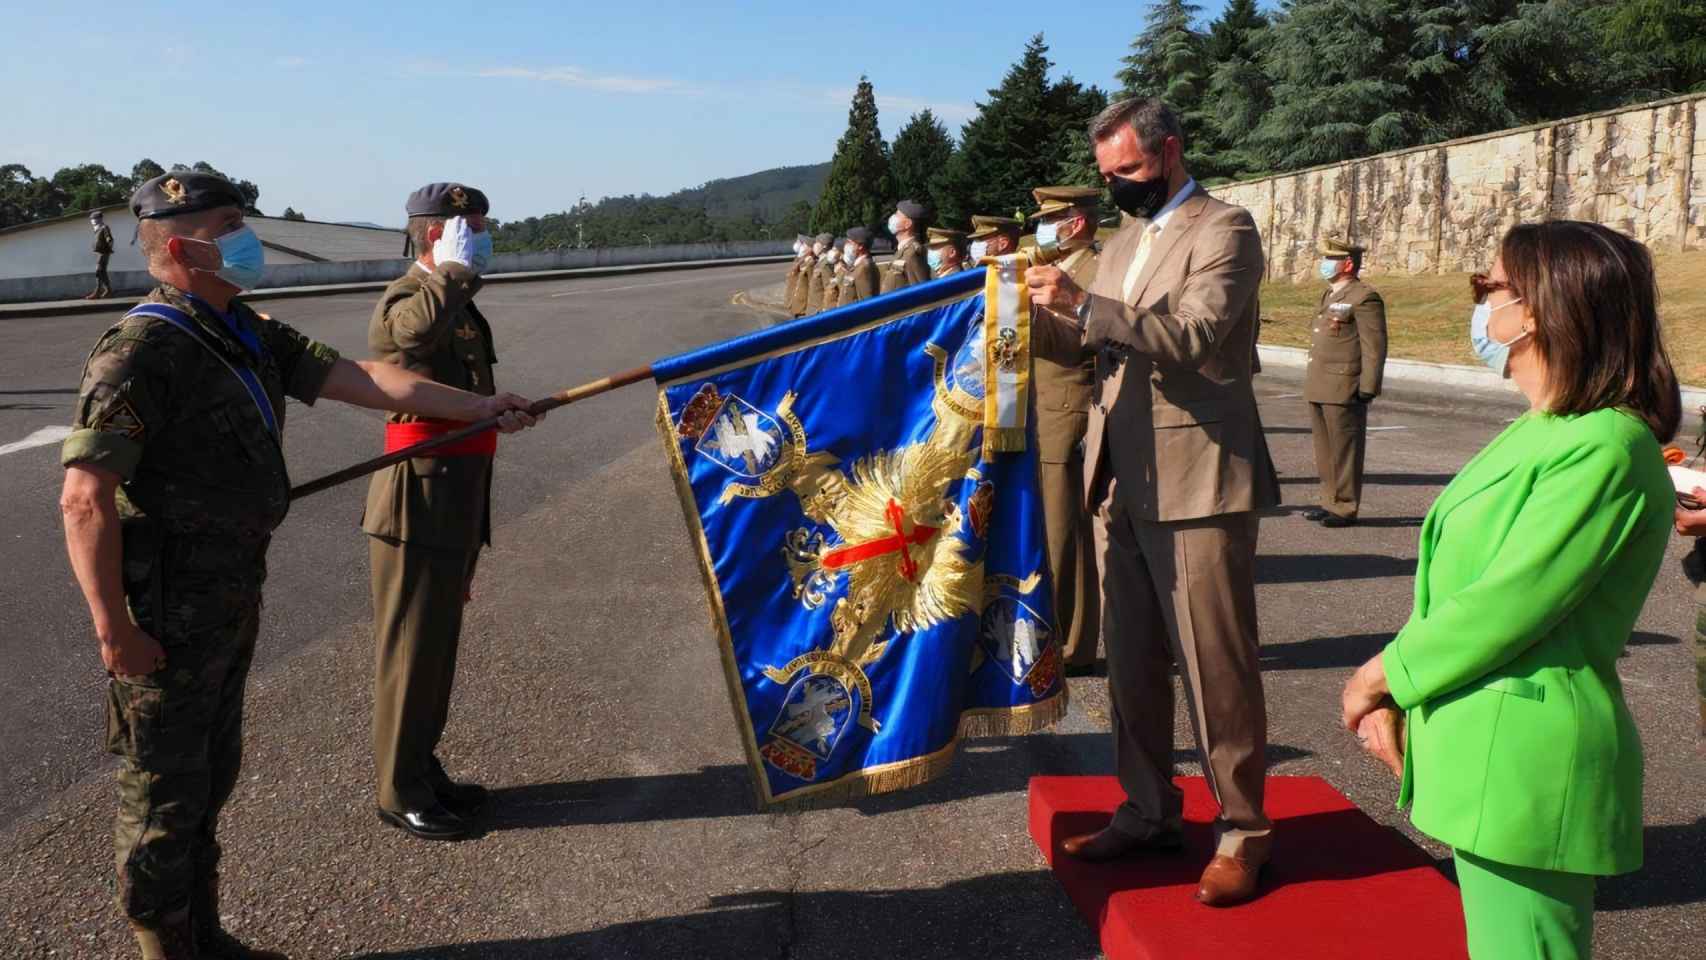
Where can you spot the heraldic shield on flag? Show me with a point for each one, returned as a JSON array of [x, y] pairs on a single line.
[[865, 506]]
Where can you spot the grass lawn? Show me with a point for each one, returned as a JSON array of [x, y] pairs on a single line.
[[1427, 317]]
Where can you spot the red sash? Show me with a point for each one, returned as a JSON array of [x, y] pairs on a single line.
[[400, 435]]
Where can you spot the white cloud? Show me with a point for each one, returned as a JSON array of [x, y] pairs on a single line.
[[578, 77]]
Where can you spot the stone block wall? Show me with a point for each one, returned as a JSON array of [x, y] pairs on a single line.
[[1442, 208]]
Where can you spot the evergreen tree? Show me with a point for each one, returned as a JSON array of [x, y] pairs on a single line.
[[144, 171], [1168, 61], [1664, 41], [860, 185], [1237, 95], [922, 151], [1339, 73], [291, 214], [1017, 141]]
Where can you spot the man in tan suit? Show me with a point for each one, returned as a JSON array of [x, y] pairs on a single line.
[[1177, 468], [1347, 355], [908, 266], [946, 253], [1066, 229]]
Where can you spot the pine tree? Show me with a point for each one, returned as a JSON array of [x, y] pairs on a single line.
[[1017, 141], [860, 185], [1167, 61], [922, 151]]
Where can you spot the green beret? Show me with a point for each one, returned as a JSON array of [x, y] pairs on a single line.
[[447, 200], [184, 191]]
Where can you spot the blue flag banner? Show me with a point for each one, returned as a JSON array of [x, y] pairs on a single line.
[[875, 566]]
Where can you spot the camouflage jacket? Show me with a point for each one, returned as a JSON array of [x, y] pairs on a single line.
[[197, 461]]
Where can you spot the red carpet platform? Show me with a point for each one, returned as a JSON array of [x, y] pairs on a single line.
[[1341, 887]]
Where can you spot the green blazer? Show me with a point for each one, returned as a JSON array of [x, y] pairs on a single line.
[[1534, 563]]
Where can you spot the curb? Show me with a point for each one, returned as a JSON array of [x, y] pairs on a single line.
[[1442, 377], [54, 308]]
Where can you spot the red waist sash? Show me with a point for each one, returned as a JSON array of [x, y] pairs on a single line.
[[400, 435]]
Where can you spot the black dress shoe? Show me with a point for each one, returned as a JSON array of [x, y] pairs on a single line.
[[1080, 670], [463, 799], [1315, 514], [1334, 521], [436, 823]]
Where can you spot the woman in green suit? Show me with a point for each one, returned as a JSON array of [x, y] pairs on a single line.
[[1534, 563]]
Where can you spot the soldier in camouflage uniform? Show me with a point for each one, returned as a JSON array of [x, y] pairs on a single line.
[[175, 479], [102, 248]]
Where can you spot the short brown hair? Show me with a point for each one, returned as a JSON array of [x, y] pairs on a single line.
[[1151, 119], [1594, 299], [417, 228]]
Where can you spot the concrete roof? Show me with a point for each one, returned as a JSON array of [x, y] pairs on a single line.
[[313, 240]]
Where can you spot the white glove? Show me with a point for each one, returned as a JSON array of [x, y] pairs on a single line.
[[456, 245]]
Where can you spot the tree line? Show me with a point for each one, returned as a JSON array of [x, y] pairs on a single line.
[[1259, 92], [25, 197]]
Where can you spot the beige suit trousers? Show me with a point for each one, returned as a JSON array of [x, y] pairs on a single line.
[[1184, 593]]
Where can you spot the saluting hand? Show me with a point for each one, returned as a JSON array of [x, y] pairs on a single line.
[[1053, 289], [511, 411]]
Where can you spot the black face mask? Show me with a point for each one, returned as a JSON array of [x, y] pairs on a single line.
[[1140, 198]]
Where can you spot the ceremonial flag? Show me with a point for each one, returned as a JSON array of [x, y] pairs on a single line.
[[861, 487]]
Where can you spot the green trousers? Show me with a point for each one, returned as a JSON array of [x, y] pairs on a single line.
[[417, 622], [1516, 913]]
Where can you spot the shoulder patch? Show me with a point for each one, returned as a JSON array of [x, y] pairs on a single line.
[[118, 416]]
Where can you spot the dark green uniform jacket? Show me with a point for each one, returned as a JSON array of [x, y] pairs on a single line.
[[427, 322]]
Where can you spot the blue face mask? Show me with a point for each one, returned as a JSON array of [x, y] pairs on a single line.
[[933, 258], [1048, 235], [242, 258], [1494, 354], [482, 252], [1329, 269]]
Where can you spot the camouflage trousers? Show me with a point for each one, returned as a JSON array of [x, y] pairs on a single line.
[[179, 735]]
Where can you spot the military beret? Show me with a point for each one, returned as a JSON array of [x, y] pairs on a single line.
[[1052, 200], [859, 235], [824, 239], [184, 191], [937, 236], [447, 200], [96, 215], [913, 210], [1336, 248], [983, 227]]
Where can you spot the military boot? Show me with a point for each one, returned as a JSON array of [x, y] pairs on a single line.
[[210, 937], [172, 938]]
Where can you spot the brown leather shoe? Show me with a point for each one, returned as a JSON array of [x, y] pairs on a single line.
[[1228, 881], [1110, 844]]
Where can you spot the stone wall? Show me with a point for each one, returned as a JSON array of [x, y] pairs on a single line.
[[1442, 208]]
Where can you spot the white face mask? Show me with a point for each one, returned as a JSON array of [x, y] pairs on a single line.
[[979, 249], [834, 254], [850, 253], [894, 224]]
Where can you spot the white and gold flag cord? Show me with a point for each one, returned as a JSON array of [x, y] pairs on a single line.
[[1007, 357]]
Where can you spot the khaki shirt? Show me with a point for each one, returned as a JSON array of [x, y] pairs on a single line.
[[1064, 394], [1347, 348], [907, 268], [427, 323]]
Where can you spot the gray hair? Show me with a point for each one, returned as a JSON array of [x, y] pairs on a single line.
[[153, 234], [1152, 120]]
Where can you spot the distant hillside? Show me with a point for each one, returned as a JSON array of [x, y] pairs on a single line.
[[770, 204], [767, 194]]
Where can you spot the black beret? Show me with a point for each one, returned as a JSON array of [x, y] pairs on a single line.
[[824, 239], [914, 210], [447, 200], [184, 191], [859, 235]]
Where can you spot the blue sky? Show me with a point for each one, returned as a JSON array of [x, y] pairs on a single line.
[[339, 110]]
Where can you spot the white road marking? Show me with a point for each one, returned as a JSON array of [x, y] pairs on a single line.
[[1373, 429], [1288, 396], [40, 438]]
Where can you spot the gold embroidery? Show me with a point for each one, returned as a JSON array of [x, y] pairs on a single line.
[[458, 199], [175, 191]]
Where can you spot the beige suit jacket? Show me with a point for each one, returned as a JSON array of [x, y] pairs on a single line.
[[1174, 427]]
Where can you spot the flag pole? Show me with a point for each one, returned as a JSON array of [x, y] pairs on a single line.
[[563, 398]]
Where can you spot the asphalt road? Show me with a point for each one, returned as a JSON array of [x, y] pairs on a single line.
[[590, 696]]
